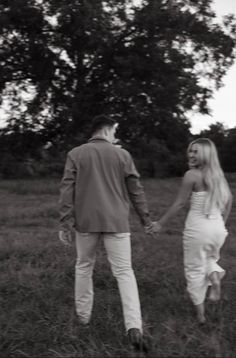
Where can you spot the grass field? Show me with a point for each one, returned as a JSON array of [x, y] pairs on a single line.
[[37, 279]]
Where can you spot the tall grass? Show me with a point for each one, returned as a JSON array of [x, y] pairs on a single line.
[[37, 280]]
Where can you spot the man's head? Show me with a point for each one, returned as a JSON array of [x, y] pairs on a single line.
[[104, 126]]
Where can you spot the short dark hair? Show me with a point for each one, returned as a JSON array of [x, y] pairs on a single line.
[[102, 121]]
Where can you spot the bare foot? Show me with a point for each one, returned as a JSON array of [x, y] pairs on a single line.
[[201, 319], [201, 313], [215, 290]]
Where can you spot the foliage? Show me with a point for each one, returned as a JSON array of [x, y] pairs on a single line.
[[64, 61], [29, 154], [225, 141], [228, 159], [145, 64]]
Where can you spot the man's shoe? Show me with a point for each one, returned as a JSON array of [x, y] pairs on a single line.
[[136, 339]]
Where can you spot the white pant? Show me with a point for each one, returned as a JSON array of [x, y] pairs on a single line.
[[118, 250]]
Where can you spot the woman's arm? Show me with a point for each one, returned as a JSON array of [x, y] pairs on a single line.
[[181, 199]]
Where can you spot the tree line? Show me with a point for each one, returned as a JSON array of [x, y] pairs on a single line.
[[148, 65], [25, 155]]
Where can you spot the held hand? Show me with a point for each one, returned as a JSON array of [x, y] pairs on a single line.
[[65, 237], [157, 227], [150, 229]]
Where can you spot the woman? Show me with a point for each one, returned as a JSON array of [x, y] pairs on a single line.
[[204, 233]]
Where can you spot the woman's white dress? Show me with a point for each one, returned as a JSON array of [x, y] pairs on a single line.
[[203, 238]]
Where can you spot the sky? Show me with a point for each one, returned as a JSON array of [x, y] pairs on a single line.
[[223, 105]]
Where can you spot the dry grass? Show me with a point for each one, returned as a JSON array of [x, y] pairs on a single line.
[[37, 278]]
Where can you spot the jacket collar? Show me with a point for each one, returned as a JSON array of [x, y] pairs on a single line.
[[98, 138]]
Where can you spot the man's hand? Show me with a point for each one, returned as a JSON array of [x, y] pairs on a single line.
[[65, 237]]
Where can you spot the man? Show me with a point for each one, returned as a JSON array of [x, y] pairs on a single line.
[[98, 182]]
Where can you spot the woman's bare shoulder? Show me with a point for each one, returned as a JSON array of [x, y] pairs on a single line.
[[194, 177], [192, 174]]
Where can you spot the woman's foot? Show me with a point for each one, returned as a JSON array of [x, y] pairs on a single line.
[[215, 289], [201, 313], [201, 319]]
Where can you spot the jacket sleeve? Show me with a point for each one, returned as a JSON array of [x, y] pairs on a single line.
[[67, 195], [138, 198]]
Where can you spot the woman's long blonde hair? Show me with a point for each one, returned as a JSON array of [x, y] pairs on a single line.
[[213, 176]]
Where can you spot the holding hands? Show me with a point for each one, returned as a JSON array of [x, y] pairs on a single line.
[[153, 228], [157, 227]]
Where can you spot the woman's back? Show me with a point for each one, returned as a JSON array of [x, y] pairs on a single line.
[[199, 185], [197, 206]]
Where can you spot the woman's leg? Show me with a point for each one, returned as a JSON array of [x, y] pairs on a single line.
[[195, 274], [201, 312], [215, 290], [215, 272]]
